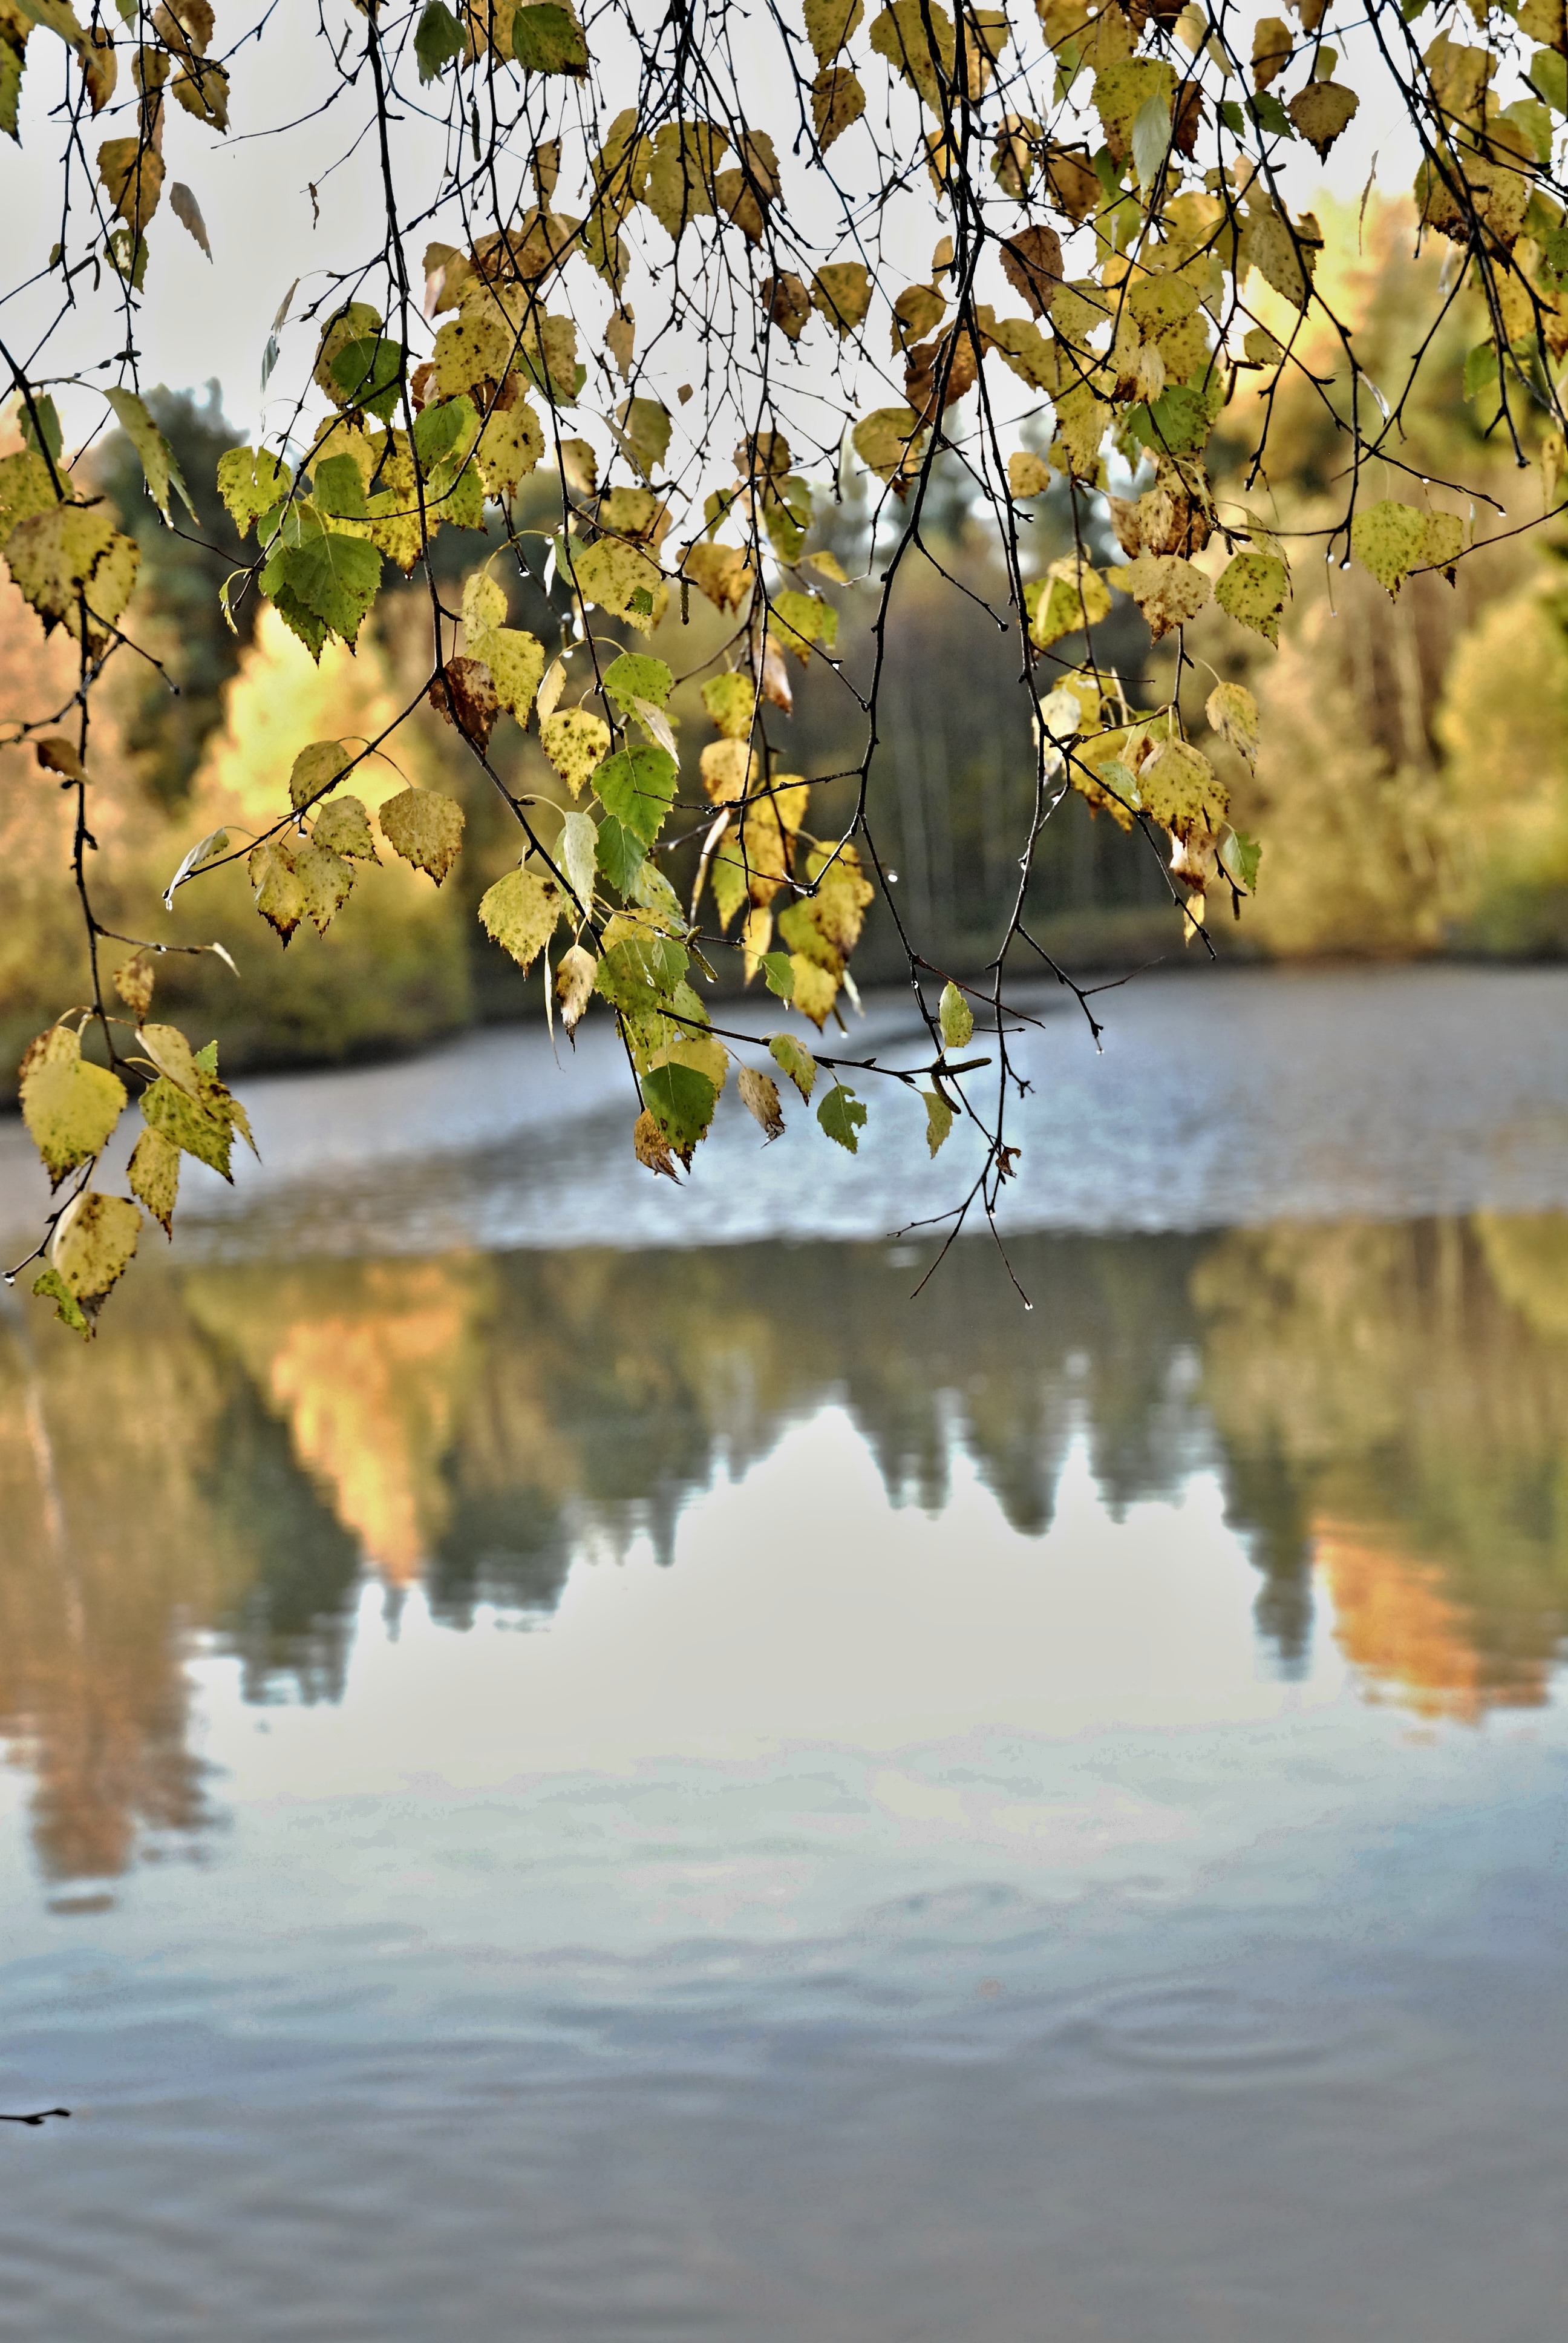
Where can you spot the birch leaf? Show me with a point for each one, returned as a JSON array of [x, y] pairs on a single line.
[[69, 1105], [152, 1175], [759, 1097], [424, 828]]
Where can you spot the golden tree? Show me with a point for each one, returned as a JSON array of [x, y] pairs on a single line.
[[667, 264]]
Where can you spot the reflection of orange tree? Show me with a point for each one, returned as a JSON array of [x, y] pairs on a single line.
[[240, 1441], [1408, 1424], [130, 1476]]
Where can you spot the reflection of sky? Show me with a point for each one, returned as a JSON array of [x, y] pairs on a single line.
[[1223, 1097], [860, 1872]]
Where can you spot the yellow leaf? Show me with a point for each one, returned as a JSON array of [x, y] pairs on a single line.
[[575, 741], [719, 571], [134, 981], [837, 100], [888, 440], [132, 174], [730, 701], [613, 575], [516, 660], [1321, 110], [1179, 787], [92, 1247], [1233, 712], [842, 293], [314, 771], [956, 1018], [25, 487], [1253, 588], [424, 828], [1028, 475], [510, 446], [1390, 539], [574, 984], [345, 827], [519, 912], [69, 1105], [795, 1059], [154, 1175], [759, 1097], [1067, 599], [1168, 590], [829, 25], [917, 38], [69, 552]]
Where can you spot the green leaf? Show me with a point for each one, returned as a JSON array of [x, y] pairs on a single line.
[[159, 467], [644, 427], [577, 857], [842, 1115], [202, 1127], [778, 975], [1178, 423], [1549, 75], [636, 676], [441, 430], [334, 578], [1481, 364], [1238, 859], [956, 1018], [368, 374], [424, 828], [1270, 115], [45, 435], [795, 1059], [939, 1118], [312, 631], [315, 769], [548, 39], [1150, 137], [250, 482], [337, 488], [437, 39], [50, 1286], [638, 786], [618, 852], [69, 1105], [638, 972], [681, 1102], [519, 912]]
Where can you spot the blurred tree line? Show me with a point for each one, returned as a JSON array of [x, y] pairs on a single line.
[[1413, 794]]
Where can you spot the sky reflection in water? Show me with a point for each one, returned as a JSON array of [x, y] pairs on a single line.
[[679, 1796]]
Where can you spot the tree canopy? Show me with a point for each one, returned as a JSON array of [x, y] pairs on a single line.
[[645, 320]]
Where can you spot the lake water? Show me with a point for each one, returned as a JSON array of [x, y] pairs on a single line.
[[584, 1768]]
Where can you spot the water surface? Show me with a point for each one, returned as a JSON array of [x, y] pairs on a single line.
[[580, 1792]]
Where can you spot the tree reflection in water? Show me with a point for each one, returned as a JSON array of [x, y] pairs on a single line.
[[1386, 1407]]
